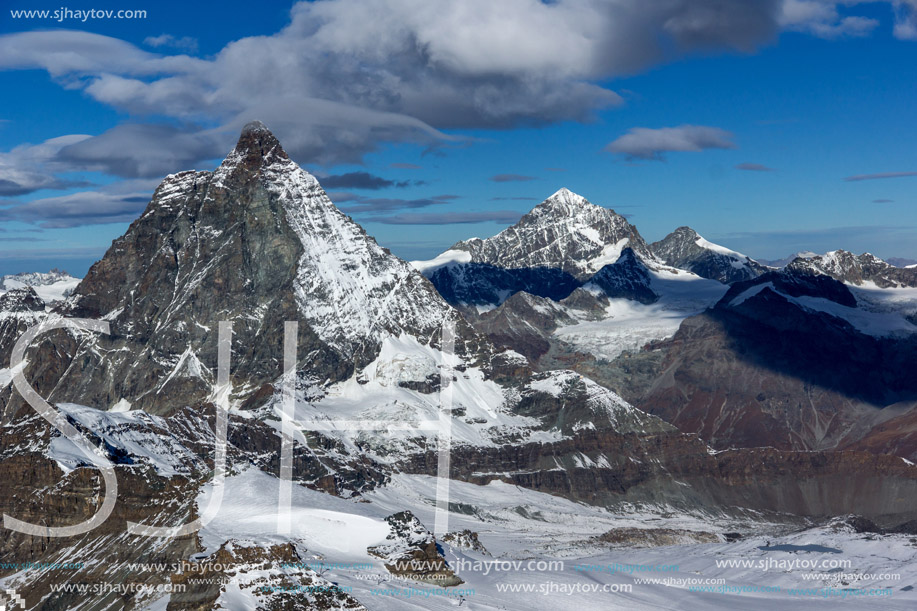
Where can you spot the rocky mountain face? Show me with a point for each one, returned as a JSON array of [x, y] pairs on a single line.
[[485, 284], [256, 242], [564, 232], [628, 278], [19, 309], [791, 359], [856, 269], [685, 249]]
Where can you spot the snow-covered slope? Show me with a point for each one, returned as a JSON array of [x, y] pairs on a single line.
[[53, 286], [890, 312], [626, 324], [544, 553]]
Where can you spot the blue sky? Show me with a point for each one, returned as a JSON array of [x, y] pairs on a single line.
[[438, 121]]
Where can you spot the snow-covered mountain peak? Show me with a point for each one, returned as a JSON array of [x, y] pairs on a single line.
[[686, 249], [564, 232], [51, 286], [565, 197], [564, 204], [257, 242]]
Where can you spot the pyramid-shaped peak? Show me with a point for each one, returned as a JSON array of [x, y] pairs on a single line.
[[257, 146], [684, 230], [255, 126], [567, 196]]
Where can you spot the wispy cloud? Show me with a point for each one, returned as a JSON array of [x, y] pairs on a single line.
[[448, 218], [879, 176], [652, 144], [405, 166], [361, 180], [31, 167], [116, 203], [361, 205], [822, 18], [54, 254], [511, 178], [754, 167]]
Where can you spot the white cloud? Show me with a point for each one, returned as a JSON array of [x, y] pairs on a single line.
[[646, 143], [31, 167], [346, 75]]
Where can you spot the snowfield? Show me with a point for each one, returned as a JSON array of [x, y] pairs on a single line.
[[540, 556], [54, 286], [629, 325]]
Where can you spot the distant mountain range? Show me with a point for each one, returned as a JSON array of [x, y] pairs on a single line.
[[811, 355]]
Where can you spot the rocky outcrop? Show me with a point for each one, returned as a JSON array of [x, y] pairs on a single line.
[[465, 539], [626, 278], [654, 537], [411, 552], [268, 578]]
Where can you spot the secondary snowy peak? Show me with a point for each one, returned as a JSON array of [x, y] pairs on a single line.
[[684, 248], [854, 269], [564, 232], [256, 242], [51, 286]]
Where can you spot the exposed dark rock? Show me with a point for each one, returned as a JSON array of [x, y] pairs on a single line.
[[411, 552], [685, 249]]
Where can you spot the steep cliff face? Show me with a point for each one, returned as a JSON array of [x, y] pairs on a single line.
[[19, 309]]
